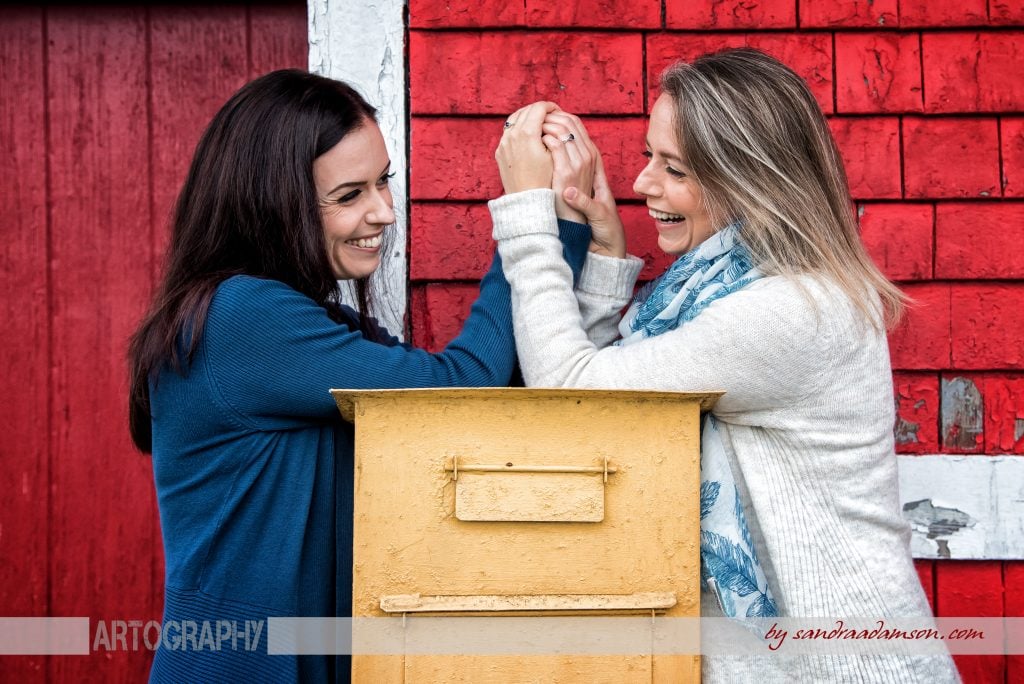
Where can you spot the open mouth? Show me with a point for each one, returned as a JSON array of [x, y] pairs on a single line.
[[365, 243], [663, 217]]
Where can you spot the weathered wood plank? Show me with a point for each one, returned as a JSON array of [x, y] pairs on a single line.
[[964, 507], [976, 590], [102, 535], [24, 343], [199, 58], [363, 45], [277, 37]]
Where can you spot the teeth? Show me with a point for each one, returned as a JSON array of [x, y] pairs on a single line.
[[366, 243], [662, 216]]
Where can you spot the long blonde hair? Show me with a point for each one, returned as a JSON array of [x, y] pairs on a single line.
[[759, 146]]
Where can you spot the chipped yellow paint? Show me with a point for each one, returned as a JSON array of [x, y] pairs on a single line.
[[407, 539]]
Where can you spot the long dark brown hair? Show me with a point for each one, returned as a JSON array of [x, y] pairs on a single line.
[[248, 206]]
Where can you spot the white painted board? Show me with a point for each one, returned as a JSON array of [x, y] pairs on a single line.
[[964, 507], [362, 43]]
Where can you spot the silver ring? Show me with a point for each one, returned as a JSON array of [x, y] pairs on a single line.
[[569, 138], [509, 124]]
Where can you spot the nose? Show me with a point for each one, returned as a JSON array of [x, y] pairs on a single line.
[[645, 184], [382, 212]]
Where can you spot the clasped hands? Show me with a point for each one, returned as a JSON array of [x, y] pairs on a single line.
[[545, 147]]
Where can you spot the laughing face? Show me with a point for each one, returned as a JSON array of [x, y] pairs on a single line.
[[674, 198], [355, 202]]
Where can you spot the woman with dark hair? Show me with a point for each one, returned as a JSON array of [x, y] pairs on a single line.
[[230, 370]]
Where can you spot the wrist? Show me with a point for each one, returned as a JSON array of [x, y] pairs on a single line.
[[616, 251], [567, 214]]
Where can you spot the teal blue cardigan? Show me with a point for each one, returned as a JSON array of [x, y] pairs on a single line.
[[253, 465]]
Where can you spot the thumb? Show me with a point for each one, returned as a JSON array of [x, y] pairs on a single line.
[[578, 201]]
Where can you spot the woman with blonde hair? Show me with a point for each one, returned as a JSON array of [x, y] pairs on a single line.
[[772, 299]]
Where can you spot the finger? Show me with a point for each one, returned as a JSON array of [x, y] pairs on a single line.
[[513, 118], [573, 150], [558, 152], [559, 117], [577, 200], [576, 127], [557, 130], [584, 137], [532, 117], [602, 190], [560, 132], [570, 121], [583, 204], [572, 124]]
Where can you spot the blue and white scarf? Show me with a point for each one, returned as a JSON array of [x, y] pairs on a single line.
[[718, 266]]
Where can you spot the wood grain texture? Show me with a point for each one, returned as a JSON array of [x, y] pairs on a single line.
[[91, 97], [24, 344], [199, 58], [103, 539], [277, 37]]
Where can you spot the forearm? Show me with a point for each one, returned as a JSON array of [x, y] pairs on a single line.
[[488, 326], [544, 306], [763, 345], [604, 287]]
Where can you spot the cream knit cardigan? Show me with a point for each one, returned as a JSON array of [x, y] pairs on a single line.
[[806, 418]]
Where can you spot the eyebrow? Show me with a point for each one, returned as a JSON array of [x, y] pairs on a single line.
[[667, 155], [349, 184]]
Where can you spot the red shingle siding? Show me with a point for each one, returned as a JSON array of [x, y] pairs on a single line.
[[925, 100]]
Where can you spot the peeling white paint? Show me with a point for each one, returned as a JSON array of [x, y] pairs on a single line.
[[964, 507], [362, 43]]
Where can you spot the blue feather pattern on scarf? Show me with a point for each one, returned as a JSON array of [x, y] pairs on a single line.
[[717, 267]]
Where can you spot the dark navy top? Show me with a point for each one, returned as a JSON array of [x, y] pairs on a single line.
[[253, 466]]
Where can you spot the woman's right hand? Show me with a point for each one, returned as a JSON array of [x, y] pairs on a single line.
[[523, 161], [580, 185]]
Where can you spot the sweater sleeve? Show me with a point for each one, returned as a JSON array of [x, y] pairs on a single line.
[[761, 345], [605, 286], [271, 353]]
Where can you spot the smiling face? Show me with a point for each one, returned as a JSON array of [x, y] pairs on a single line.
[[351, 182], [674, 198]]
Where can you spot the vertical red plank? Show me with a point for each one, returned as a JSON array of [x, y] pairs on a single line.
[[199, 58], [102, 536], [278, 37], [24, 345], [972, 589], [1013, 580]]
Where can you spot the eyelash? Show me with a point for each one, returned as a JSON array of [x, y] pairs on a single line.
[[675, 173], [382, 181]]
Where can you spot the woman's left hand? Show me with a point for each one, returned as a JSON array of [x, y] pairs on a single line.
[[581, 187], [523, 161]]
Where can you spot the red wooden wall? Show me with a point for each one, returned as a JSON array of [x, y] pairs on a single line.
[[926, 100], [100, 109]]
